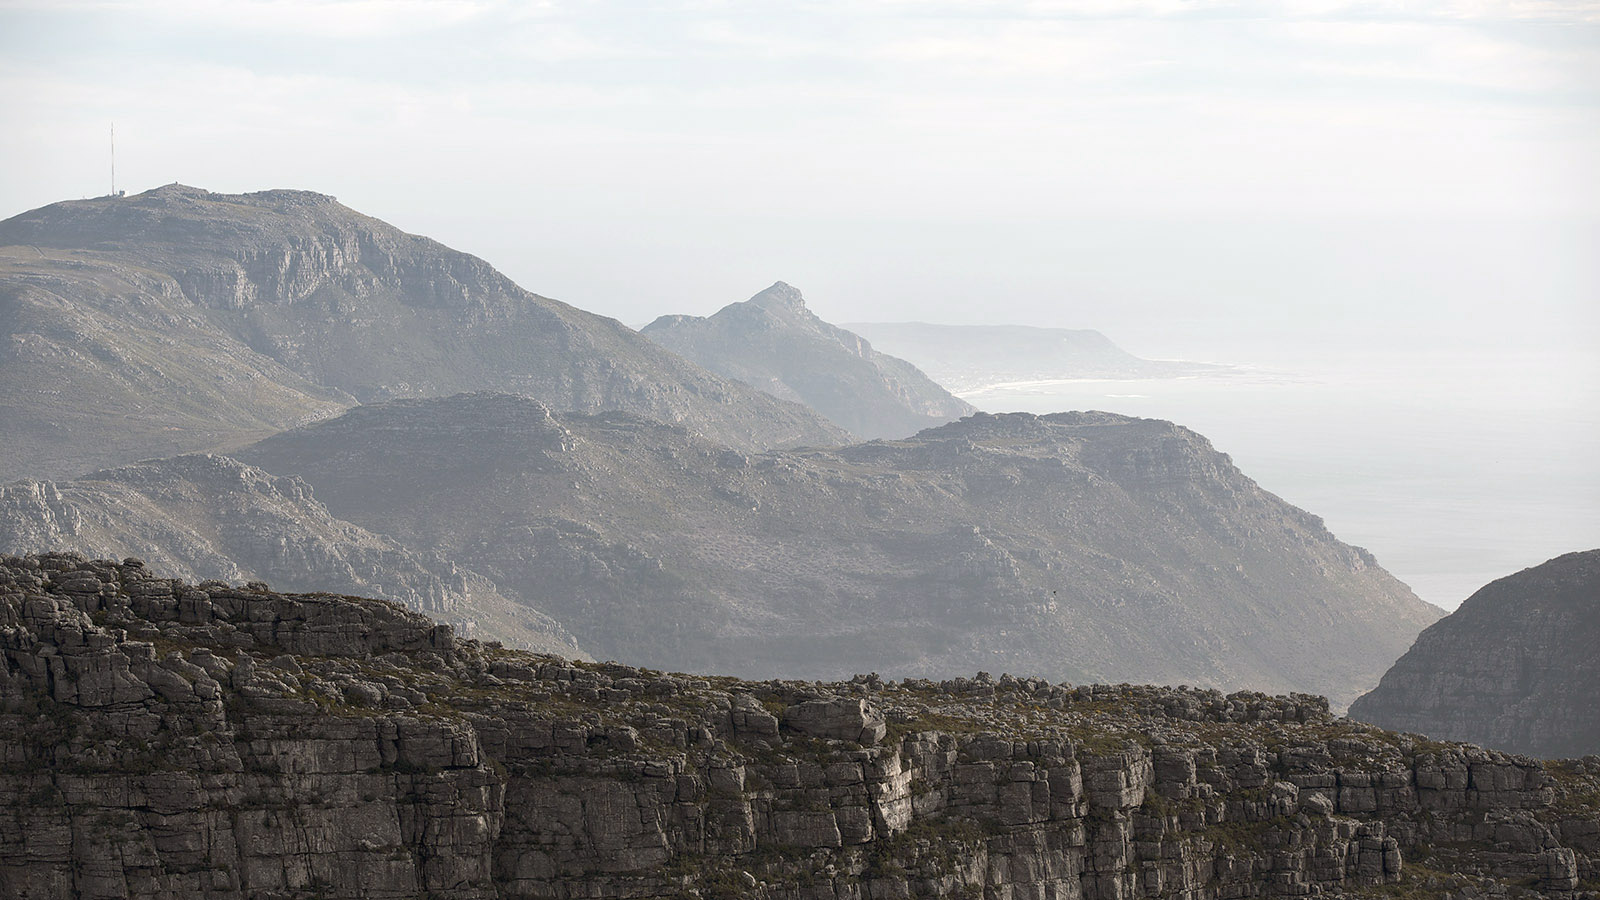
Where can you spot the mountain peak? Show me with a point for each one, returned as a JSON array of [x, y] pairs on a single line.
[[781, 296]]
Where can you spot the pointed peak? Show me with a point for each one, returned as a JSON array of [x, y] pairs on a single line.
[[780, 296]]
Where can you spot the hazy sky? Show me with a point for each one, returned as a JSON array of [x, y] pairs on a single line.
[[1192, 177]]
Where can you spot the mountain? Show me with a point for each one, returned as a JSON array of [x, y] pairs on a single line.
[[773, 342], [1086, 546], [972, 357], [180, 320], [165, 740], [1515, 668], [214, 518]]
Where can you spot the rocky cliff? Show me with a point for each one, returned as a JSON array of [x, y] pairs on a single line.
[[773, 342], [161, 739], [180, 320], [1516, 667], [1084, 546]]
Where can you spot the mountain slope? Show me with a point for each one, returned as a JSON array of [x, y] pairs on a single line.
[[1515, 668], [773, 342], [211, 517], [1082, 546], [297, 305], [970, 357]]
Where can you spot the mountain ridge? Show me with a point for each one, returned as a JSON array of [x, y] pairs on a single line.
[[1083, 545], [289, 307], [775, 343]]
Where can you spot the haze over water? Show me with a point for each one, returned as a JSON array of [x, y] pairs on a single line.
[[1454, 469]]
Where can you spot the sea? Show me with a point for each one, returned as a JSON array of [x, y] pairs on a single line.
[[1454, 469]]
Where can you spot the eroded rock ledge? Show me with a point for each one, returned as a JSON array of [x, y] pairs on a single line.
[[162, 739]]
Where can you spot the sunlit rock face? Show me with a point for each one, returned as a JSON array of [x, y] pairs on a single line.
[[164, 739], [1517, 667], [773, 342], [180, 320]]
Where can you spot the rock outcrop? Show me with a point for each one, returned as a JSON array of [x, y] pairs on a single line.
[[180, 320], [1082, 546], [161, 739], [1517, 667], [773, 342]]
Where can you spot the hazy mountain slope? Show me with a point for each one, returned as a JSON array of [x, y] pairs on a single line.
[[102, 362], [336, 298], [773, 342], [969, 357], [1081, 546], [211, 517], [1517, 667]]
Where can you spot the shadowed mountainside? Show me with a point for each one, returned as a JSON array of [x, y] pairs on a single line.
[[1087, 546], [180, 320], [773, 342], [1517, 667]]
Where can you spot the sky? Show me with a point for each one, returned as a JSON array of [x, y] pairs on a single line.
[[1404, 194], [1198, 179]]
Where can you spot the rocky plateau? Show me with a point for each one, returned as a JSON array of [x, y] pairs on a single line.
[[161, 739]]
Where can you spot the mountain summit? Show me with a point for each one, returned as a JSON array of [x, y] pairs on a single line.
[[179, 320], [773, 342]]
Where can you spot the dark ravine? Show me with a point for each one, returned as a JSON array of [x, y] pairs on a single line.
[[160, 739], [180, 320], [1517, 667], [773, 342], [1079, 546]]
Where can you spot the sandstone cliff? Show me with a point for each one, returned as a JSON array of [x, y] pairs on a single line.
[[1517, 667], [773, 342], [162, 739], [181, 320]]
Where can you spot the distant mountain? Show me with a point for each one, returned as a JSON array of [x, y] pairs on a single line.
[[971, 357], [1516, 668], [1079, 546], [180, 320], [211, 517], [773, 342]]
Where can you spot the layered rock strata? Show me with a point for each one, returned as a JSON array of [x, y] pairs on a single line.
[[163, 739]]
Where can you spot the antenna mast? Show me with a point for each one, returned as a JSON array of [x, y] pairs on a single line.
[[113, 159]]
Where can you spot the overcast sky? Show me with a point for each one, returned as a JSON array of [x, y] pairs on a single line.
[[1192, 177]]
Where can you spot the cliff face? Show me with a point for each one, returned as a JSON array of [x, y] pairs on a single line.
[[1079, 546], [162, 739], [773, 342], [1515, 667], [219, 318]]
